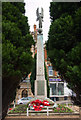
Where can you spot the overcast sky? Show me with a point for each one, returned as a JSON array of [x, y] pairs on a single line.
[[31, 7]]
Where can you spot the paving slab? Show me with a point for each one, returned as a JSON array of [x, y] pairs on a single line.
[[42, 118]]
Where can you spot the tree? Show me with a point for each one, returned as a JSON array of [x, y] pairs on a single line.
[[33, 75], [16, 55], [58, 9], [46, 78], [64, 44]]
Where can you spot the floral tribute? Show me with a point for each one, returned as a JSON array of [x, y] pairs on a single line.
[[37, 105], [10, 108]]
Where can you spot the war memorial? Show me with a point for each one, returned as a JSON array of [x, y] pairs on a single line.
[[40, 105], [40, 82]]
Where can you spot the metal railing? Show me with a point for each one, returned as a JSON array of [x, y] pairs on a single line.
[[42, 111]]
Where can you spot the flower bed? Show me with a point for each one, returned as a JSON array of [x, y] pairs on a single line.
[[62, 109], [37, 104], [19, 109], [23, 109]]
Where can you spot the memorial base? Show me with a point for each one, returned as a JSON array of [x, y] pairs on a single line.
[[40, 88]]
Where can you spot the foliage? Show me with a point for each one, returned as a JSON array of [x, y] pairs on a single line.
[[19, 109], [16, 44], [64, 44], [46, 78], [62, 9], [62, 109], [33, 75]]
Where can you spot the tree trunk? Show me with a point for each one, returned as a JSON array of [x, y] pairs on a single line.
[[8, 94]]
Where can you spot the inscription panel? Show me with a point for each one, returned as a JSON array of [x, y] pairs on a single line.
[[40, 88], [40, 55]]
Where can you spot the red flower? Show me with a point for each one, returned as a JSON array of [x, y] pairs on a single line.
[[37, 108], [10, 108], [36, 102], [46, 103], [38, 105], [33, 102]]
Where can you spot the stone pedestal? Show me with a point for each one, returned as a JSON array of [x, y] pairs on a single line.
[[40, 88], [40, 82]]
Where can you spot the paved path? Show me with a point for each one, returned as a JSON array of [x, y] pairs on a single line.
[[43, 117]]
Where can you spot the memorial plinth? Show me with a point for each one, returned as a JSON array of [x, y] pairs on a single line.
[[40, 82]]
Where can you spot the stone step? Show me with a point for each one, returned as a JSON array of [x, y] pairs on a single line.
[[52, 114]]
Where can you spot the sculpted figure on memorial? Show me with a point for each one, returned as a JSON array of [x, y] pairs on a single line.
[[40, 17]]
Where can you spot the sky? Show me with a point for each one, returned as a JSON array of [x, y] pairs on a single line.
[[30, 11]]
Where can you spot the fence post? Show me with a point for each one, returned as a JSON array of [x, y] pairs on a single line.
[[67, 104], [14, 103], [47, 111], [80, 112], [27, 112]]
